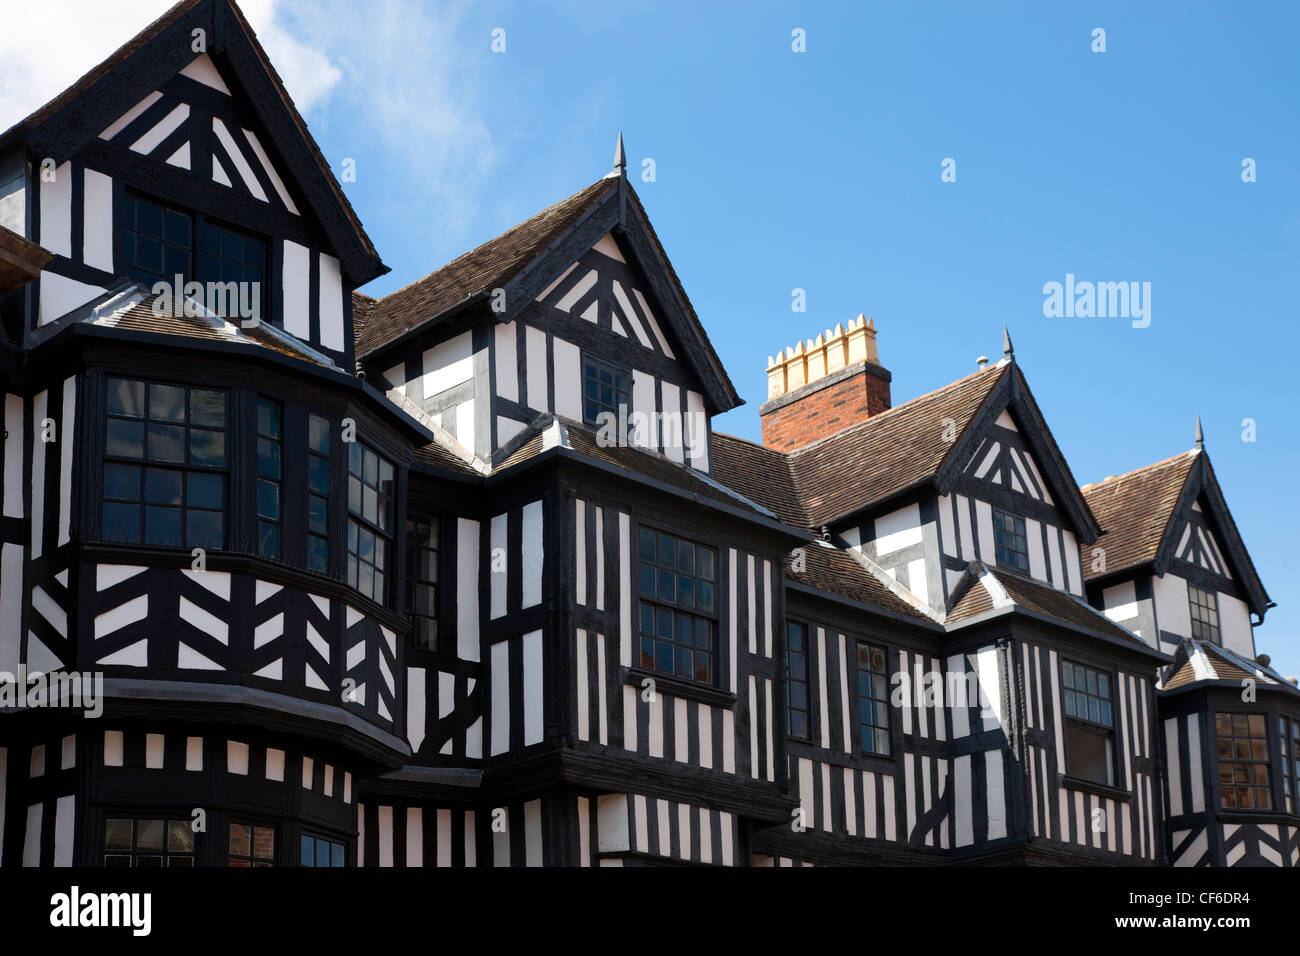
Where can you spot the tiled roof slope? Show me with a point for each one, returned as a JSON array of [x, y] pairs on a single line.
[[983, 590], [1135, 510], [889, 452], [582, 439], [760, 474], [836, 572], [485, 267], [1197, 661]]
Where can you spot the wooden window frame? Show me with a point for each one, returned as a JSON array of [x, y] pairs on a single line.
[[185, 468], [791, 680], [1202, 629], [1221, 761], [1019, 534], [1086, 724], [675, 609], [859, 643], [617, 372]]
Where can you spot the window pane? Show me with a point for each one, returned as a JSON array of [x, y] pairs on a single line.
[[125, 398], [203, 530], [167, 443], [208, 408], [125, 439], [162, 486], [204, 491], [162, 526], [121, 522], [149, 834], [117, 834], [166, 403], [122, 481]]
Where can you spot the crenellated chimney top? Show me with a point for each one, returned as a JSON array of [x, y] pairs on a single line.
[[823, 385]]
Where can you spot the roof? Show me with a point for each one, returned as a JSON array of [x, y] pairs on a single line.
[[1198, 662], [760, 474], [890, 452], [69, 96], [129, 307], [547, 432], [486, 267], [21, 260], [1135, 510], [983, 590], [836, 572]]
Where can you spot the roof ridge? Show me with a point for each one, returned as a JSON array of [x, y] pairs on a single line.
[[487, 242], [1116, 479], [897, 408]]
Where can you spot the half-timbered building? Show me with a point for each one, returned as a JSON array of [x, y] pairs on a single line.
[[463, 576]]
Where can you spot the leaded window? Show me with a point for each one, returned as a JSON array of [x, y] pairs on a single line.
[[678, 607], [1243, 762], [1089, 724], [1011, 547], [320, 852], [604, 389], [165, 465], [1288, 732], [251, 845], [797, 706], [148, 842], [873, 700], [422, 580], [1205, 614], [370, 517], [269, 475], [318, 494]]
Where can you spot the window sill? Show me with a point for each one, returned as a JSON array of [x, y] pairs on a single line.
[[1097, 789], [676, 687]]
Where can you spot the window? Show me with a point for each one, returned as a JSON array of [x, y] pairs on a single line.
[[164, 465], [678, 606], [797, 681], [1243, 762], [1010, 545], [318, 492], [251, 845], [1288, 732], [604, 389], [151, 843], [317, 851], [268, 478], [1205, 614], [159, 243], [873, 700], [370, 503], [422, 580], [1089, 730]]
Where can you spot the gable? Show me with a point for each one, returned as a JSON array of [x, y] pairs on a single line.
[[602, 289], [158, 99], [1003, 459], [193, 122], [1198, 544]]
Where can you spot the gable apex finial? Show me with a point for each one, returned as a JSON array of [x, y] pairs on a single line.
[[1200, 435], [1007, 350], [620, 157]]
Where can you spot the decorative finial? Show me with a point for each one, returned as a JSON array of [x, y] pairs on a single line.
[[1200, 435], [620, 159], [1007, 350]]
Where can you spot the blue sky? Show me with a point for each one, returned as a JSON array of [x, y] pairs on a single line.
[[820, 170]]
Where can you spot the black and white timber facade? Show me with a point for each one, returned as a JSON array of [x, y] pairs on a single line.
[[374, 582]]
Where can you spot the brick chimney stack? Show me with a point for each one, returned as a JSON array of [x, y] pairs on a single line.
[[819, 388]]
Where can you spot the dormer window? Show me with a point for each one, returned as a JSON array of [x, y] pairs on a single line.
[[1011, 544]]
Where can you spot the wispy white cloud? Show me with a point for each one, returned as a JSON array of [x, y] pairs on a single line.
[[398, 75]]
